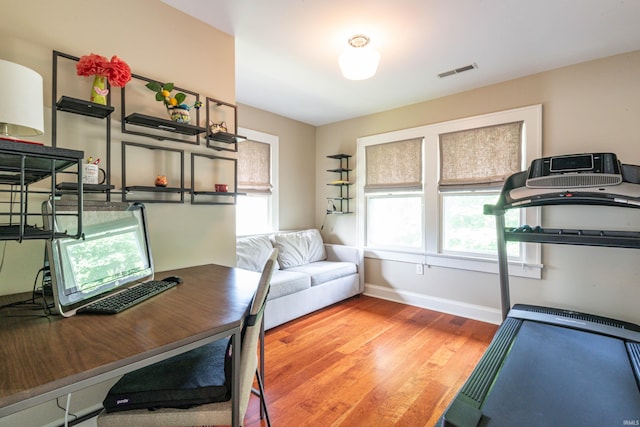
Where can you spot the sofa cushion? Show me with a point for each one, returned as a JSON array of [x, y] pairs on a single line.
[[253, 251], [325, 271], [287, 282], [299, 248]]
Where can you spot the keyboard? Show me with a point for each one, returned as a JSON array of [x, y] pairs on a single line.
[[128, 298]]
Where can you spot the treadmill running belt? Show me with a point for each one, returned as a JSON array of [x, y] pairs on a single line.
[[563, 376]]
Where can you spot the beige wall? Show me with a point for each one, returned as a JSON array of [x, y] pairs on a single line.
[[588, 107], [159, 43], [297, 164]]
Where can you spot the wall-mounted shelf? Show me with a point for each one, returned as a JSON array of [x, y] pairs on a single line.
[[343, 183], [166, 129], [145, 193], [163, 125], [220, 111], [221, 170], [84, 108]]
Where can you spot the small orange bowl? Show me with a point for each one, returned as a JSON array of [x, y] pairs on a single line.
[[222, 188]]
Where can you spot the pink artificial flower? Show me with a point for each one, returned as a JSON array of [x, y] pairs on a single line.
[[118, 72], [91, 65]]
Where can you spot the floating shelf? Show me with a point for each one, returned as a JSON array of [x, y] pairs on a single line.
[[226, 137], [155, 189], [82, 107], [86, 188], [163, 124]]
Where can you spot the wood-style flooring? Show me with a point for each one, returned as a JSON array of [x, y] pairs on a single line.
[[367, 362]]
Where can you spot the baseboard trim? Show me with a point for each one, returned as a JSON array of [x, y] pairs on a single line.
[[457, 308]]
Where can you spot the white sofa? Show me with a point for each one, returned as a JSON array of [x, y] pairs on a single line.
[[310, 274]]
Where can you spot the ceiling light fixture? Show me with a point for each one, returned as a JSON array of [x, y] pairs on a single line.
[[359, 61]]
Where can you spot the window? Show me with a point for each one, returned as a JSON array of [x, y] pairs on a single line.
[[257, 209], [393, 191], [473, 164], [441, 221]]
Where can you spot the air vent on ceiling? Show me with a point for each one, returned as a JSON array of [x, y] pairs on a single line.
[[458, 70]]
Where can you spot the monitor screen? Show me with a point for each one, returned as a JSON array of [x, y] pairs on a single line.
[[113, 253]]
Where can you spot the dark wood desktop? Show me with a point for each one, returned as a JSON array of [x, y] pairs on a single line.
[[47, 357]]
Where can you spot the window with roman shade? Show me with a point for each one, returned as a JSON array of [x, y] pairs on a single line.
[[480, 157], [394, 166], [254, 167]]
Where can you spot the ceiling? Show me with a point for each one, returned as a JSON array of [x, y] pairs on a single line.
[[287, 50]]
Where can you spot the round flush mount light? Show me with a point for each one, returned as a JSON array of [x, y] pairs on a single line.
[[359, 61]]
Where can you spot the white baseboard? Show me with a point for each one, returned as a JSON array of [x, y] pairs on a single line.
[[457, 308]]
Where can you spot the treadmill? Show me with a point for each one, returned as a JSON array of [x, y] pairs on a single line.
[[548, 366]]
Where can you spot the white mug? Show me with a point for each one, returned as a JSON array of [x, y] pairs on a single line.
[[91, 174]]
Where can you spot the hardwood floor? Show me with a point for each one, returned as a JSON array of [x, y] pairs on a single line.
[[367, 362]]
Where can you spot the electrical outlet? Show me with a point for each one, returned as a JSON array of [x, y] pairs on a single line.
[[419, 269]]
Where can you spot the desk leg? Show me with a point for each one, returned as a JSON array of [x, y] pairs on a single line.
[[235, 380]]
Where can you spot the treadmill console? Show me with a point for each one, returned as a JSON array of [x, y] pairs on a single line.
[[575, 171]]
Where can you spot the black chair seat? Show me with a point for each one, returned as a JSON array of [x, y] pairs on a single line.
[[193, 378]]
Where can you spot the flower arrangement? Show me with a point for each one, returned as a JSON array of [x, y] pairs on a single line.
[[178, 110], [116, 71]]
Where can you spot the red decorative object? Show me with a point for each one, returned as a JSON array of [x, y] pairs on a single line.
[[116, 71]]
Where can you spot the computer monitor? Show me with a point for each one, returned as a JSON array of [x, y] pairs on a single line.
[[113, 253]]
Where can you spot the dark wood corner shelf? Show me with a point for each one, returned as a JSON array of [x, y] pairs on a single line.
[[84, 108], [163, 124], [343, 183]]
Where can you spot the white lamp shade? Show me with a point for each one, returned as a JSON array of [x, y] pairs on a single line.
[[359, 63], [21, 100]]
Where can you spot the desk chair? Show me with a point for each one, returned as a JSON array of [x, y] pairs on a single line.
[[218, 412]]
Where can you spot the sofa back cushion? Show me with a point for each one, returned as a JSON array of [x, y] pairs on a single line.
[[253, 251], [299, 248]]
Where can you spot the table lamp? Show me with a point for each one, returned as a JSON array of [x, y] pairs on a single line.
[[21, 101]]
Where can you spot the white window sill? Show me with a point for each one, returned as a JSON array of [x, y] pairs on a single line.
[[485, 265]]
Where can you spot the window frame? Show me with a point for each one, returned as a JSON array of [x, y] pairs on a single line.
[[529, 265], [274, 143]]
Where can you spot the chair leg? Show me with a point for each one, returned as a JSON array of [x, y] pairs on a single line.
[[263, 402]]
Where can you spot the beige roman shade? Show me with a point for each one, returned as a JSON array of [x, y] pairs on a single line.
[[480, 157], [394, 166], [254, 167]]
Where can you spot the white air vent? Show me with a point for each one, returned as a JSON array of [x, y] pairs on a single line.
[[458, 70]]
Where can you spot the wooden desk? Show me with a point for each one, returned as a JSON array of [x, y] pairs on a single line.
[[42, 358]]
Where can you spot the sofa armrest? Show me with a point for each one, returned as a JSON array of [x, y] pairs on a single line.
[[347, 254]]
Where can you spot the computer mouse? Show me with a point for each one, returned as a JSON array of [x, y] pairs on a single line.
[[176, 279]]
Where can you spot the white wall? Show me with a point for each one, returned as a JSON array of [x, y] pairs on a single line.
[[588, 107]]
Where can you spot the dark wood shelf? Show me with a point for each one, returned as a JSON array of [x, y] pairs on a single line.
[[339, 156], [225, 137], [84, 108], [156, 189], [217, 193], [86, 188], [163, 124]]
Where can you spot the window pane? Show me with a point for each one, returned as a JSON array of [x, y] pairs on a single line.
[[467, 229], [253, 214], [394, 221]]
